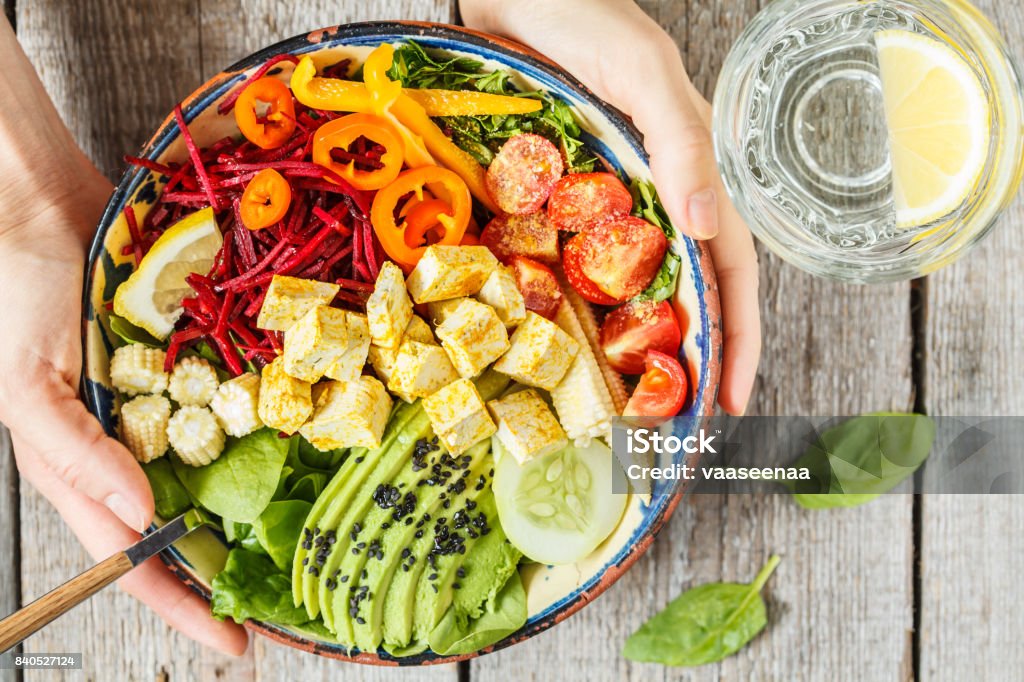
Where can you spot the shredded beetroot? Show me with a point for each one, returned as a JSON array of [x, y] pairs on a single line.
[[325, 235], [229, 102]]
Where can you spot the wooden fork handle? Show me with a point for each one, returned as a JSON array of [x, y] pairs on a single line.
[[52, 605]]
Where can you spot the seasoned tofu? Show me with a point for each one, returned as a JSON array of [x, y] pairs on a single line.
[[289, 298], [526, 427], [501, 293], [540, 353], [437, 311], [388, 309], [419, 370], [285, 402], [314, 343], [350, 364], [383, 359], [349, 414], [449, 272], [458, 416], [473, 337]]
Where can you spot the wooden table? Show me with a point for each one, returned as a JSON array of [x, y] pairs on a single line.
[[903, 588]]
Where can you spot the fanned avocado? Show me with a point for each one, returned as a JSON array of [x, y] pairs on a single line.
[[486, 570], [331, 506], [443, 473]]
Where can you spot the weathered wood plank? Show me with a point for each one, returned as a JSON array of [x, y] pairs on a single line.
[[971, 551], [829, 349], [10, 580]]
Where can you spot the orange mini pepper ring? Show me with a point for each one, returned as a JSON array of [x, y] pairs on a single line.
[[342, 132], [278, 123], [266, 200], [406, 248]]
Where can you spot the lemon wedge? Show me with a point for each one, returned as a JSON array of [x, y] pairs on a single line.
[[151, 297], [938, 118]]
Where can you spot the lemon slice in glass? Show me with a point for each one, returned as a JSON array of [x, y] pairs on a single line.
[[151, 297], [938, 118]]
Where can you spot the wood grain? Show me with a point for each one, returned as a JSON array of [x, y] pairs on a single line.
[[9, 546], [844, 585], [971, 549]]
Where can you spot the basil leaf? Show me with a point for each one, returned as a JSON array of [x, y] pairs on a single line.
[[856, 461], [132, 334], [704, 624], [251, 586]]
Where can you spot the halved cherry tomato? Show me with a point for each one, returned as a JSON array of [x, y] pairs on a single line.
[[538, 285], [271, 129], [622, 255], [523, 173], [265, 200], [631, 330], [581, 200], [533, 236], [419, 182], [342, 132], [571, 264], [662, 388]]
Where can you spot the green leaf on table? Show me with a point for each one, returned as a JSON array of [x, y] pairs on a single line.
[[242, 481], [861, 458], [457, 634], [169, 495], [704, 624], [251, 586]]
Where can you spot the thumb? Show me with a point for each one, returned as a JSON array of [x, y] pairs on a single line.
[[71, 443], [679, 143]]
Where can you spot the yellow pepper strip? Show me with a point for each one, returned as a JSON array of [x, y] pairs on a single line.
[[383, 90]]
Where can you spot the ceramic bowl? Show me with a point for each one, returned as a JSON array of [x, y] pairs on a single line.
[[554, 592]]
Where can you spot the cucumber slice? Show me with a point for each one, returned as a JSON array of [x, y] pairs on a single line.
[[558, 508]]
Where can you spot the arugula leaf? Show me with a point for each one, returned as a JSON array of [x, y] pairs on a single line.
[[251, 586], [704, 624], [647, 205], [482, 136], [861, 458]]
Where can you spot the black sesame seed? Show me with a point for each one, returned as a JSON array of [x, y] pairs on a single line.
[[460, 572], [344, 578], [456, 586]]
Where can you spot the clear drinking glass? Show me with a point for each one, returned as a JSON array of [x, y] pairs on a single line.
[[803, 143]]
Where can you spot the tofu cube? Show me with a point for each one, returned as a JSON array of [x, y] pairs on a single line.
[[388, 309], [449, 272], [420, 369], [289, 298], [350, 364], [473, 337], [540, 353], [501, 292], [314, 343], [383, 359], [458, 416], [526, 427], [437, 311], [349, 414], [285, 402]]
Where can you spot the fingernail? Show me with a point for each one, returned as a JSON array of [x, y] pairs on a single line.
[[124, 511], [702, 212]]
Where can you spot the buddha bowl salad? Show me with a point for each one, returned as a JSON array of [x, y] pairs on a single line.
[[389, 408]]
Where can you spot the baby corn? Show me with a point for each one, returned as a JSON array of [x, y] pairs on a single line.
[[236, 405], [193, 382], [195, 435], [581, 399], [585, 315], [144, 426], [137, 369]]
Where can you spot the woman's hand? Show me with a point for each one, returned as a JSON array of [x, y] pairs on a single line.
[[623, 55], [50, 202]]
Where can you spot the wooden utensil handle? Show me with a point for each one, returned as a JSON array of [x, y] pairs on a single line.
[[51, 605]]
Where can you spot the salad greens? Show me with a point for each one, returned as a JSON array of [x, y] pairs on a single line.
[[458, 634], [130, 333], [482, 136], [169, 495], [647, 205], [278, 529], [856, 461], [251, 586], [704, 624]]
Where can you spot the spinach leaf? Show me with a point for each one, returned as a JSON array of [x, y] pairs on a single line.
[[482, 136], [241, 482], [278, 529], [854, 462], [456, 634], [307, 488], [704, 624], [132, 334], [251, 586], [242, 535], [169, 494], [647, 205]]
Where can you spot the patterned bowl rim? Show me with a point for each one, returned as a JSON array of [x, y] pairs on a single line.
[[517, 57]]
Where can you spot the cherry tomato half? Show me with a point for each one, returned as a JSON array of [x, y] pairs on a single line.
[[523, 173], [572, 259], [631, 330], [622, 255], [662, 388], [532, 235], [538, 285], [582, 200]]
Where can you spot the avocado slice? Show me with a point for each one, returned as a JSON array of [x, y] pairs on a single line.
[[332, 504], [486, 571], [398, 540]]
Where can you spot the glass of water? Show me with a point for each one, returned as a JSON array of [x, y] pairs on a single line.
[[870, 140]]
